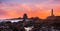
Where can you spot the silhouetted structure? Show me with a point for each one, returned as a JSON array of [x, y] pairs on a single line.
[[52, 13], [52, 23], [25, 17], [52, 17]]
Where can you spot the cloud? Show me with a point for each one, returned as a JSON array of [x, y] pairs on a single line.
[[0, 1], [25, 1], [2, 12], [16, 8], [55, 1]]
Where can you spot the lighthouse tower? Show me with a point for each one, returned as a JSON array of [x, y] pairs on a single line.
[[52, 17], [52, 13]]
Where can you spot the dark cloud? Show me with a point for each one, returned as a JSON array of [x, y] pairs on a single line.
[[22, 1], [0, 1], [3, 1]]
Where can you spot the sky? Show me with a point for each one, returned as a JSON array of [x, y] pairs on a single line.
[[33, 8]]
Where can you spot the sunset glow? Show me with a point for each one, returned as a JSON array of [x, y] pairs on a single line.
[[33, 8]]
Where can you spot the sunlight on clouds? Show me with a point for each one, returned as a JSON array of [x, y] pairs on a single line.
[[33, 9]]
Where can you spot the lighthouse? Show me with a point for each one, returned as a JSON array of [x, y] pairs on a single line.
[[52, 13]]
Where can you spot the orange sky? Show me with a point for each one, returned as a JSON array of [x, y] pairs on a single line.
[[33, 9]]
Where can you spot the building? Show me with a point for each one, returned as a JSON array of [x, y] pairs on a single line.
[[52, 17]]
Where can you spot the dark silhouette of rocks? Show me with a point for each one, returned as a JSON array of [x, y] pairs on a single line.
[[51, 23]]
